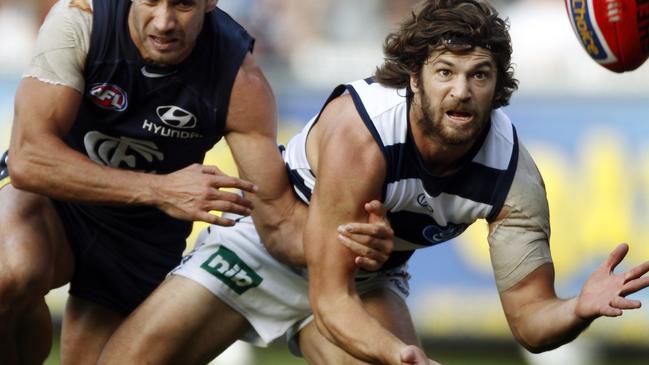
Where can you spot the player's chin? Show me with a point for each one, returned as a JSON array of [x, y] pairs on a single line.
[[164, 59]]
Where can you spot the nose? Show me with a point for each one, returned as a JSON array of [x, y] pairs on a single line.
[[164, 18], [461, 89]]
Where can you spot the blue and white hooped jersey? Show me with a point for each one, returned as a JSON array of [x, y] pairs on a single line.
[[423, 209]]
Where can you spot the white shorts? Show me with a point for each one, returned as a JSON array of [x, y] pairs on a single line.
[[234, 265]]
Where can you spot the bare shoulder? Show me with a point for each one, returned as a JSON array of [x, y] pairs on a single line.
[[342, 136], [252, 103], [340, 120]]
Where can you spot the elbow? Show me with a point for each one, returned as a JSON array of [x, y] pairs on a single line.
[[19, 171], [532, 342], [532, 347], [537, 348]]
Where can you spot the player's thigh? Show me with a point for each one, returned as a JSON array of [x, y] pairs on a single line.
[[87, 326], [180, 323], [384, 305], [34, 251]]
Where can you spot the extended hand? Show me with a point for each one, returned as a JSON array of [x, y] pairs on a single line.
[[193, 192], [413, 355], [371, 241], [604, 292]]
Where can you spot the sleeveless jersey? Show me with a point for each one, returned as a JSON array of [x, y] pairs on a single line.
[[151, 119], [423, 209]]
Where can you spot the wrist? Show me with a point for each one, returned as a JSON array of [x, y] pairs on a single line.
[[149, 192]]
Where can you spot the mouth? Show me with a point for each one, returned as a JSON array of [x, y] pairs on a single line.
[[163, 44], [459, 116]]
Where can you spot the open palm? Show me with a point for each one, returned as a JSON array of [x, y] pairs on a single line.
[[604, 293]]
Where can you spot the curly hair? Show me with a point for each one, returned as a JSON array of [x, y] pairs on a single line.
[[454, 25]]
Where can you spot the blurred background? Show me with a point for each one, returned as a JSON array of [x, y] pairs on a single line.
[[587, 127]]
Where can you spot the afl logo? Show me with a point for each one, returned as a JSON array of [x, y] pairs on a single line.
[[176, 117], [110, 97]]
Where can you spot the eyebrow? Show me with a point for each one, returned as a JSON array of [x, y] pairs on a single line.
[[481, 64]]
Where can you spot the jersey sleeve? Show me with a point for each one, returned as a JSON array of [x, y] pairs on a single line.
[[62, 45], [519, 243]]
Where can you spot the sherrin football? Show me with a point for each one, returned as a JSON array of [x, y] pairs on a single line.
[[615, 33]]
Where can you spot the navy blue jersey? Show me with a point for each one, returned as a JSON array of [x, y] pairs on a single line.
[[142, 118], [134, 116]]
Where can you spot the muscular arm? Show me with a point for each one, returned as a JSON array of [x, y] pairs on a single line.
[[47, 103], [278, 215], [539, 320], [41, 162], [251, 133], [350, 171]]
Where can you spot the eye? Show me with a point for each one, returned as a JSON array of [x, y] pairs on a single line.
[[443, 73], [481, 75], [186, 4]]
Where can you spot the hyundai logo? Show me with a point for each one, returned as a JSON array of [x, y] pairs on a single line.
[[176, 117]]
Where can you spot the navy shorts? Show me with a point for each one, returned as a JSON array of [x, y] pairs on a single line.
[[121, 254]]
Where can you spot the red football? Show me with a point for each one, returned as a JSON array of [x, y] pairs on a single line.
[[615, 33]]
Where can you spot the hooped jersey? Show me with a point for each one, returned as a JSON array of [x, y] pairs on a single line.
[[424, 209]]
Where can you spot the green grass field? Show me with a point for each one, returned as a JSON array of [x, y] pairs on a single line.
[[475, 353]]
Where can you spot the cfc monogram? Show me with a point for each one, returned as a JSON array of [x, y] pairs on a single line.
[[119, 152]]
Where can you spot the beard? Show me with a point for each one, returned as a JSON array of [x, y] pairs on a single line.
[[433, 126]]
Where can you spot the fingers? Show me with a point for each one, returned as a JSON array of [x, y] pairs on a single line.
[[371, 258], [357, 230], [214, 219], [611, 312], [226, 199], [222, 180], [368, 264], [415, 356], [616, 256], [409, 355], [624, 303], [377, 212], [634, 286], [637, 272], [211, 169]]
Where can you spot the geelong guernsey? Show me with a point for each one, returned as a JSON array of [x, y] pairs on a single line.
[[423, 209]]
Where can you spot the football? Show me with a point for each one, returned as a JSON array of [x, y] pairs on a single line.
[[615, 33]]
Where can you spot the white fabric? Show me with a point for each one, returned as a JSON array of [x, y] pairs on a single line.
[[62, 45], [280, 301]]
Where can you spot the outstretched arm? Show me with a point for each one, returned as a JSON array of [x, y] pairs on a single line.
[[541, 321], [519, 246]]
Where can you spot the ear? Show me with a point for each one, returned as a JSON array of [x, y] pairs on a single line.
[[211, 5], [414, 82]]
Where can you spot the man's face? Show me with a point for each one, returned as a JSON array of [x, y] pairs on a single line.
[[454, 95], [165, 31]]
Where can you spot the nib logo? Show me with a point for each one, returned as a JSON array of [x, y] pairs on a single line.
[[231, 270]]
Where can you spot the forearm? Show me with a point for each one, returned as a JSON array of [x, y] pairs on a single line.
[[51, 168], [345, 323], [280, 223], [547, 324]]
